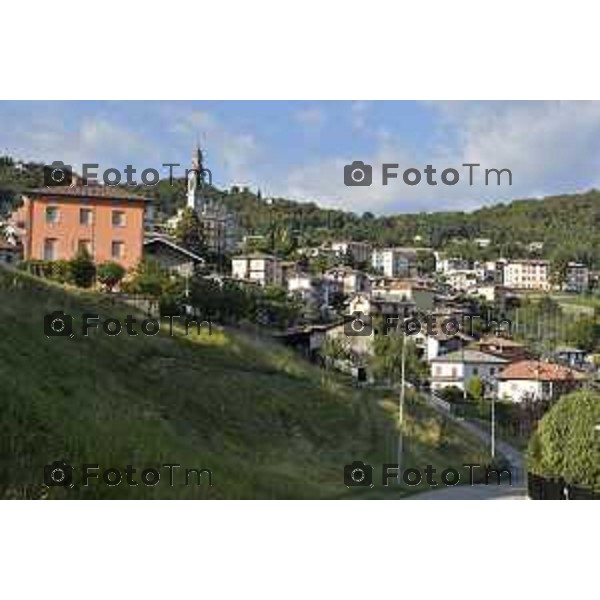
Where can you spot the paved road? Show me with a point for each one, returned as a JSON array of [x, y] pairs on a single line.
[[492, 491]]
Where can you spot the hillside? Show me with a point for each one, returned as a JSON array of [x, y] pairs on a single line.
[[263, 421]]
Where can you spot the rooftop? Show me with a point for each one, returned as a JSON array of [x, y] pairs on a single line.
[[173, 246], [87, 191], [493, 340], [540, 371], [469, 356]]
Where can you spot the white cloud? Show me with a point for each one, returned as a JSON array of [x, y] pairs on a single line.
[[551, 147], [94, 140], [311, 117]]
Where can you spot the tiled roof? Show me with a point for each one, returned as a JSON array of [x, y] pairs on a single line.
[[537, 370], [174, 246], [499, 341], [469, 356], [87, 191]]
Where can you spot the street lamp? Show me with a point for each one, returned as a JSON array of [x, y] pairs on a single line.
[[269, 203], [401, 404]]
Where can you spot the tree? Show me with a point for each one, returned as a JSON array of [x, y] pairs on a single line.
[[558, 272], [475, 388], [189, 232], [82, 270], [566, 443], [149, 279], [334, 349], [584, 333], [110, 274], [386, 361]]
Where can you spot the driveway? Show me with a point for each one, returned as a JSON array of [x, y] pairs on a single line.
[[492, 491]]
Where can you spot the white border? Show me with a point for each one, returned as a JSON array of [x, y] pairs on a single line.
[[299, 50], [235, 49], [299, 549]]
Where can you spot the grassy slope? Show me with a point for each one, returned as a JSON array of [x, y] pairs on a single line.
[[265, 423]]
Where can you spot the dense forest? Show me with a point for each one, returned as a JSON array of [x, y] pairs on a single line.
[[568, 225]]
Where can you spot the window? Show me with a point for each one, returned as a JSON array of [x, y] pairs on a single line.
[[475, 371], [118, 218], [492, 370], [85, 246], [52, 214], [118, 250], [438, 370], [50, 246], [85, 216]]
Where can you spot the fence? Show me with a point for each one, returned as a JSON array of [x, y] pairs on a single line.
[[542, 488], [441, 403]]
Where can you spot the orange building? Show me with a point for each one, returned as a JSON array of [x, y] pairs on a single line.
[[106, 221]]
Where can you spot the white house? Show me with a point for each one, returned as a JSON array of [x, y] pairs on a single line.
[[347, 281], [536, 380], [462, 280], [407, 289], [395, 262], [527, 274], [444, 264], [304, 286], [264, 269], [359, 251], [458, 368], [439, 343]]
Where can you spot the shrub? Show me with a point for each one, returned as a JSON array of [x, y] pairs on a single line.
[[110, 274], [566, 443], [452, 394], [82, 270]]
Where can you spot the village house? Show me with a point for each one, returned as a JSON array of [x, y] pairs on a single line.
[[445, 264], [360, 252], [502, 347], [396, 262], [171, 257], [527, 274], [347, 281], [393, 307], [536, 380], [431, 345], [405, 289], [56, 223], [462, 280], [570, 356], [264, 269], [577, 278], [457, 369], [305, 287]]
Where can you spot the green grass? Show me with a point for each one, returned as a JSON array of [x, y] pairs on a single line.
[[267, 424]]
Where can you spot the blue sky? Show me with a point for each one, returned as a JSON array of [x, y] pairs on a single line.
[[298, 149]]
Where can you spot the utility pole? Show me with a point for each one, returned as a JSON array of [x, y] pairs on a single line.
[[401, 406], [493, 425]]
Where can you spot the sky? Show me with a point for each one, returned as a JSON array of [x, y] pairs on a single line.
[[298, 150]]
